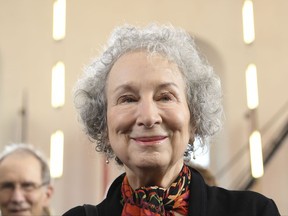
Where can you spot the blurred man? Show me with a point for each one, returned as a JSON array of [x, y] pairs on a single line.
[[25, 184]]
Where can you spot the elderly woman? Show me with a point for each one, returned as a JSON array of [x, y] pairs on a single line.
[[143, 102]]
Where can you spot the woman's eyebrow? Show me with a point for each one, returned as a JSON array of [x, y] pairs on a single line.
[[132, 86], [125, 87], [167, 85]]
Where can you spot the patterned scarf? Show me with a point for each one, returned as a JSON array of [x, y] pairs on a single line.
[[157, 201]]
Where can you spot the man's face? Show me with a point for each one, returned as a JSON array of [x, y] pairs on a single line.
[[22, 191]]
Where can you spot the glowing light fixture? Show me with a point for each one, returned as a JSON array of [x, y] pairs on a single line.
[[56, 154], [248, 22], [59, 19], [256, 155], [58, 85], [252, 87]]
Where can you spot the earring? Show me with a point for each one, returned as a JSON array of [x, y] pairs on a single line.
[[193, 151], [107, 160]]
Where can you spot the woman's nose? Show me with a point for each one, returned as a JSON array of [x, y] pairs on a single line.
[[148, 114]]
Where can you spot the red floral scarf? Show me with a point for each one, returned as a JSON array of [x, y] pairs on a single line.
[[157, 201]]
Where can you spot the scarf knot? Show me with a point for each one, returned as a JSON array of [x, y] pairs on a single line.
[[157, 201]]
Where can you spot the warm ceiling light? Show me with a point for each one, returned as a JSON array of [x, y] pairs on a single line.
[[248, 22], [56, 154], [252, 87], [59, 19], [58, 85], [256, 155]]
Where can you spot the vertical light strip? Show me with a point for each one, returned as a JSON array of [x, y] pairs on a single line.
[[252, 87], [58, 85], [256, 155], [248, 22], [56, 154], [59, 19]]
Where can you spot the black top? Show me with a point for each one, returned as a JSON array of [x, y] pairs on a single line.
[[204, 200]]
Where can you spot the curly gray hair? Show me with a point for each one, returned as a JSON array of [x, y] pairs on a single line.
[[203, 86]]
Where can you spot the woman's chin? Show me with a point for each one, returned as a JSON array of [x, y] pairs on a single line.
[[151, 163]]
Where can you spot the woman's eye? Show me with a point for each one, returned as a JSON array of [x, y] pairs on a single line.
[[166, 97], [126, 99]]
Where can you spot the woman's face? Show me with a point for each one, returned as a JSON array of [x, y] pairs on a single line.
[[147, 112]]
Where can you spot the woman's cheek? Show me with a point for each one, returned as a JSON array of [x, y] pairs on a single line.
[[177, 119], [120, 120]]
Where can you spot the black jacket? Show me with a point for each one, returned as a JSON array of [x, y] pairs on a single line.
[[203, 201]]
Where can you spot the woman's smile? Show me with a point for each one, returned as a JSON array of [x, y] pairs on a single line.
[[150, 140]]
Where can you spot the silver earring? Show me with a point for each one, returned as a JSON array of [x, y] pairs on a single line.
[[193, 151], [107, 160]]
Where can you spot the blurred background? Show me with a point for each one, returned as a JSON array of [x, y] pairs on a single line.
[[45, 44]]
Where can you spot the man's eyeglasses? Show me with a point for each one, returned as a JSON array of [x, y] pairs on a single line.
[[26, 187]]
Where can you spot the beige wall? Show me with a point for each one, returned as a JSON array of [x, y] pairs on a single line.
[[27, 54]]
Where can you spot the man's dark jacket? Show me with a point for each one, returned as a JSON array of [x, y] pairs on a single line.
[[204, 200]]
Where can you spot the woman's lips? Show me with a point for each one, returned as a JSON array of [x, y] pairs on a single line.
[[150, 139]]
